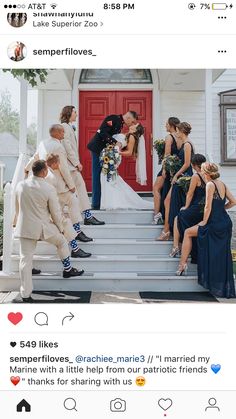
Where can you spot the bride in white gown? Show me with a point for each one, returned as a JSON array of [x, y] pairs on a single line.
[[117, 194]]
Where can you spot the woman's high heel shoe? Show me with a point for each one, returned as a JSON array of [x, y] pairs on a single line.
[[175, 252], [164, 236], [182, 270]]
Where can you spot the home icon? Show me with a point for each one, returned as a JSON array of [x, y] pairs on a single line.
[[23, 406]]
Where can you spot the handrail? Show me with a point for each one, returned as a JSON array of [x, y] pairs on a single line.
[[9, 212], [7, 229]]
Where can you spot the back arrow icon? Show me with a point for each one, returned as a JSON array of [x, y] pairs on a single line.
[[70, 317]]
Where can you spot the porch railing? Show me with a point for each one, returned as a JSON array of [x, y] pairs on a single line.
[[9, 212]]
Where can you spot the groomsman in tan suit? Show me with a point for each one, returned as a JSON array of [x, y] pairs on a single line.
[[66, 198], [68, 117], [39, 217], [54, 146]]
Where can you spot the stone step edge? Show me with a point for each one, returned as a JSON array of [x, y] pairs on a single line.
[[112, 241], [104, 258], [110, 276]]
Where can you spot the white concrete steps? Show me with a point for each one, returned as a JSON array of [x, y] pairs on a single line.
[[123, 231], [125, 217], [107, 282], [125, 257], [108, 263], [109, 246]]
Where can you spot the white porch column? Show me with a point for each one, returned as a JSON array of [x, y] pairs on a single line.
[[40, 117], [156, 118], [208, 116], [23, 116]]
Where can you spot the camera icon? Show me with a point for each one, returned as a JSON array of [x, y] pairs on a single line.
[[118, 405]]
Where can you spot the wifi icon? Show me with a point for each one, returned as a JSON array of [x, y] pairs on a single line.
[[53, 5]]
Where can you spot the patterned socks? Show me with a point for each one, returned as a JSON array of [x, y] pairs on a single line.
[[74, 245], [66, 264], [87, 214], [77, 227]]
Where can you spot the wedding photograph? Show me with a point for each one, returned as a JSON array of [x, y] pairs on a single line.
[[117, 185]]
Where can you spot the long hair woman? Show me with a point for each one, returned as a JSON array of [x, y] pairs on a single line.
[[162, 184], [174, 201], [192, 212], [116, 193], [215, 266]]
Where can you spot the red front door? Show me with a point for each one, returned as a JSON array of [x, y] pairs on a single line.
[[94, 106]]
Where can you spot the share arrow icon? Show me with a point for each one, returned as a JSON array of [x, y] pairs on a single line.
[[69, 317]]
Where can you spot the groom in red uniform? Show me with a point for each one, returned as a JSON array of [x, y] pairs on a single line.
[[111, 125]]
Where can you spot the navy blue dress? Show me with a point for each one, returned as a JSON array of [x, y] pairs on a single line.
[[215, 266], [193, 215], [167, 181], [173, 150], [178, 196]]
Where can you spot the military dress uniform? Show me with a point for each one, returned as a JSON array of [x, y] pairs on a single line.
[[111, 125]]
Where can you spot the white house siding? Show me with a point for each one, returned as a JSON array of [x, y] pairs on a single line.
[[227, 81], [190, 107], [52, 104]]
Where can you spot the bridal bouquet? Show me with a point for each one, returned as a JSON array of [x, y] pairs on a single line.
[[110, 159], [159, 146], [172, 164], [184, 183]]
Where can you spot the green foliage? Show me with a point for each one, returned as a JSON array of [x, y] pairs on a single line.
[[9, 118], [31, 75]]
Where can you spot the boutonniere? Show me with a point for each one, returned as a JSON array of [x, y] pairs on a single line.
[[109, 123], [74, 127]]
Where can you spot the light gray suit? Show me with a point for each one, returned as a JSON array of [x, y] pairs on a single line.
[[39, 217], [71, 147]]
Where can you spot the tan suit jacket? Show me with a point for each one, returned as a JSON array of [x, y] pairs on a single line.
[[53, 146], [38, 210], [71, 146]]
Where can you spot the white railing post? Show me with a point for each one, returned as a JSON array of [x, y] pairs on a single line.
[[7, 229], [9, 213]]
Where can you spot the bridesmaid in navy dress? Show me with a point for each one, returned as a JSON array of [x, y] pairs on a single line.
[[215, 266], [175, 198], [162, 184], [192, 212]]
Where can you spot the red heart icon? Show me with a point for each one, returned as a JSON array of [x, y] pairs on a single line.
[[15, 318], [15, 380]]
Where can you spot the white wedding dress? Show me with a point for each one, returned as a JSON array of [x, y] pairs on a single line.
[[117, 194]]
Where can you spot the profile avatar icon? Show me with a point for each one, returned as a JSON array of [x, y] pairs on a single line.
[[17, 51], [212, 405], [17, 20]]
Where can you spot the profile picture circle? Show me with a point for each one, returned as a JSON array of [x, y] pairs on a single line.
[[17, 20], [17, 51]]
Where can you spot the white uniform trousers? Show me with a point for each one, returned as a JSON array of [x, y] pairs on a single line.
[[81, 190], [27, 248]]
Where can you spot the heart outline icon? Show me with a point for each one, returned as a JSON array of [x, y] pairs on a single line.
[[15, 380], [15, 318], [216, 368], [165, 404]]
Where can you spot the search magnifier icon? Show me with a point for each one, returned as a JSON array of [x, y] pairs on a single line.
[[70, 404]]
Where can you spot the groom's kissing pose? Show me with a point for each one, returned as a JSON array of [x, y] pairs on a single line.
[[111, 125]]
